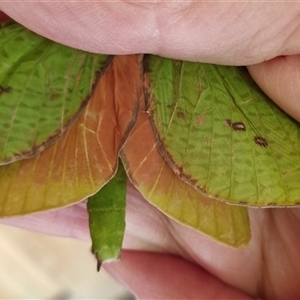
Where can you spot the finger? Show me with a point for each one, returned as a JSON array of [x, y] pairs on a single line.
[[152, 275], [69, 221], [225, 33], [3, 17], [279, 78]]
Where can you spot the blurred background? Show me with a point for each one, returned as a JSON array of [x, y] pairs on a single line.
[[37, 266]]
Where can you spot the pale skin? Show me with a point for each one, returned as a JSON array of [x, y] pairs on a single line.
[[224, 33]]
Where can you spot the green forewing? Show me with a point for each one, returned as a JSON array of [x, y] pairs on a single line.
[[221, 134], [43, 88], [107, 217]]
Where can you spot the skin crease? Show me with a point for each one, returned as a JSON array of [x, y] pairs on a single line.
[[242, 34]]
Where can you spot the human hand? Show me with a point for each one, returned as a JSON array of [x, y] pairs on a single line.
[[213, 32], [203, 269], [268, 267]]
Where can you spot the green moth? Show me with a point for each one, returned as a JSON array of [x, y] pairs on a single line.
[[188, 134]]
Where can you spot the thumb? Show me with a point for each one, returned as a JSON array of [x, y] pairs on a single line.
[[279, 78], [152, 275]]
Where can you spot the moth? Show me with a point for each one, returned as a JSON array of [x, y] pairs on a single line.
[[68, 118]]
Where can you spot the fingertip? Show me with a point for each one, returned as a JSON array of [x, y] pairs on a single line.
[[152, 275], [279, 78]]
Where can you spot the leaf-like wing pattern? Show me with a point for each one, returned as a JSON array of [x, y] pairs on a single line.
[[44, 86], [164, 189], [85, 157], [221, 134]]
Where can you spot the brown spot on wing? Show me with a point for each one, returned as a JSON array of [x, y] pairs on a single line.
[[236, 126], [181, 115], [200, 120], [261, 141], [4, 89]]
